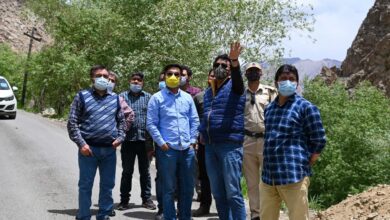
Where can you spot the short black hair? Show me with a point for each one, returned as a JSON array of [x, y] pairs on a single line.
[[286, 68], [186, 68], [96, 68], [174, 65], [222, 57], [140, 74]]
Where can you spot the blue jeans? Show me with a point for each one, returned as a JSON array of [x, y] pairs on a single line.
[[104, 159], [173, 163], [223, 163]]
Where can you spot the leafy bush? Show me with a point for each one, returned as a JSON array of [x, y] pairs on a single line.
[[11, 65], [357, 154]]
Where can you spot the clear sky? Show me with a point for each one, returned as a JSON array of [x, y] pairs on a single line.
[[337, 23]]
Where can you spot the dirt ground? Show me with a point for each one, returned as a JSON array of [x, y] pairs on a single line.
[[372, 204]]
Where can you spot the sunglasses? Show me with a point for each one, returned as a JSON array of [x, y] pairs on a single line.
[[216, 65], [177, 74]]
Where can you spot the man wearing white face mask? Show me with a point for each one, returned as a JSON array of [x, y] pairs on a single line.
[[137, 144], [96, 124], [185, 79], [127, 111], [294, 139]]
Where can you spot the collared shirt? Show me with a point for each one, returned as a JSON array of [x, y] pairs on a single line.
[[254, 107], [139, 104], [76, 117], [172, 119], [193, 90], [293, 132]]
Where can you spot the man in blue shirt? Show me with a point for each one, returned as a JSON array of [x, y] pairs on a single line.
[[172, 121], [97, 125], [222, 130], [294, 139]]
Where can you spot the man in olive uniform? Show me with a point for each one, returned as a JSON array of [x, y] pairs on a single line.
[[258, 96]]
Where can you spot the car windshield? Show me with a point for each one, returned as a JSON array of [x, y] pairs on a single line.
[[3, 85]]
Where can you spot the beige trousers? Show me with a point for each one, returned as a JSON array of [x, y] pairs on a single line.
[[252, 164], [294, 195]]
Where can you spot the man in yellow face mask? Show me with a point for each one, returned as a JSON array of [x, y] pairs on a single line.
[[172, 121]]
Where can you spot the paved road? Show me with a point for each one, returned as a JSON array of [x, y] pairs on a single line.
[[39, 173]]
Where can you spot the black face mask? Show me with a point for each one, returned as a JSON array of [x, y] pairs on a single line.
[[220, 72], [253, 75]]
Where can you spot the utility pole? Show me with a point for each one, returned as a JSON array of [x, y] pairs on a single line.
[[32, 38]]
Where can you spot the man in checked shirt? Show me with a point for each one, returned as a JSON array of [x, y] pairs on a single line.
[[294, 139]]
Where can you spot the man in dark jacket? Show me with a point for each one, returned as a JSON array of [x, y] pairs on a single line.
[[222, 130]]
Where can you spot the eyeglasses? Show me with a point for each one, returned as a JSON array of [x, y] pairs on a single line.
[[177, 74], [216, 65], [253, 98]]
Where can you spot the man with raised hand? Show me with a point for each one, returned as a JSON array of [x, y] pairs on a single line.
[[222, 130]]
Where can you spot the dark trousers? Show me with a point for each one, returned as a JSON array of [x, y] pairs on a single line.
[[205, 195], [130, 150]]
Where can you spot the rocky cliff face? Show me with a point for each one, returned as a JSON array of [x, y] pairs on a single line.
[[14, 21], [369, 56]]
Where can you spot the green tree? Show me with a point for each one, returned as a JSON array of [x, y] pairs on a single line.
[[193, 32], [11, 65], [357, 154], [139, 35]]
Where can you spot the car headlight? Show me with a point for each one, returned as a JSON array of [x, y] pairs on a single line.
[[10, 98]]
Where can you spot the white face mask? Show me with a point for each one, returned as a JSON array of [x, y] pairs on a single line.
[[101, 83], [183, 81], [110, 86]]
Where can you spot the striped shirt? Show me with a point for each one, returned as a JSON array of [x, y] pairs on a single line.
[[293, 132], [96, 120], [139, 104]]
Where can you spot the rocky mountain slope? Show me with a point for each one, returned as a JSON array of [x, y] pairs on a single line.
[[369, 56], [15, 21]]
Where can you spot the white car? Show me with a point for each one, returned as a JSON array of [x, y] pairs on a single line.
[[8, 103]]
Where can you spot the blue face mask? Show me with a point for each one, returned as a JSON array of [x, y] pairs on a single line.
[[287, 88], [101, 83], [110, 86], [161, 85], [135, 88], [183, 81]]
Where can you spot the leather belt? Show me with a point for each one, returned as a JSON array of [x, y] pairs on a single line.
[[253, 134]]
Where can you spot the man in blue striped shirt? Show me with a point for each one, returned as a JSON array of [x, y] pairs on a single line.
[[97, 125], [294, 139], [173, 123]]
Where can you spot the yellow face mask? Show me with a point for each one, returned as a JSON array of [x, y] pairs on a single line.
[[172, 81]]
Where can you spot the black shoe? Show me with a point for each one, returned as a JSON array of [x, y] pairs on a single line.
[[148, 204], [159, 215], [256, 218], [122, 206], [112, 214], [202, 211]]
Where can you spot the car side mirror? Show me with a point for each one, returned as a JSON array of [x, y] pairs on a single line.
[[14, 88]]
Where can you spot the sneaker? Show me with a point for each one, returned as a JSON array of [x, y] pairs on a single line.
[[112, 214], [149, 204], [123, 206], [159, 215], [202, 211]]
